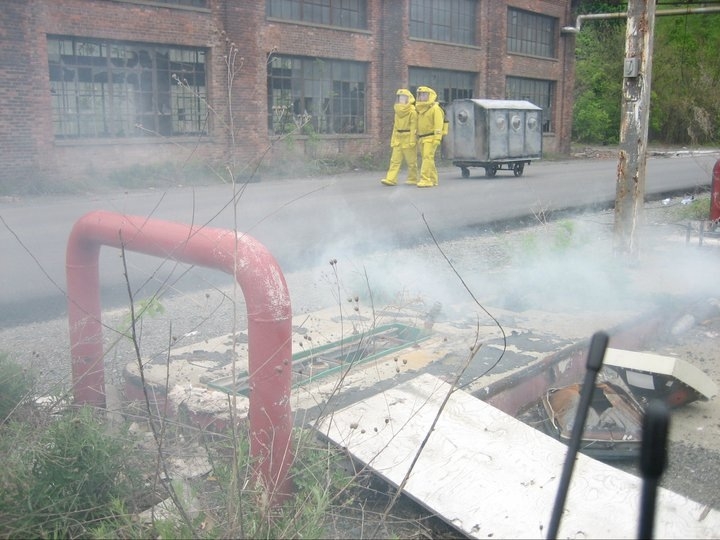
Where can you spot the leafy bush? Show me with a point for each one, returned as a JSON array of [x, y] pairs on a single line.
[[591, 122], [318, 481], [697, 209], [65, 480]]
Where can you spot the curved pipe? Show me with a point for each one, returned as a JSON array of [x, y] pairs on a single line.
[[268, 310], [622, 14]]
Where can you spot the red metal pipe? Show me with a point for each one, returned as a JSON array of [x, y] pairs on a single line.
[[268, 309], [715, 200]]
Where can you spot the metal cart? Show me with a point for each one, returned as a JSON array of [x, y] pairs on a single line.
[[495, 134]]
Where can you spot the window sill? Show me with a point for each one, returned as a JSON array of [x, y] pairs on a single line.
[[324, 136], [318, 25], [545, 58], [130, 141], [165, 5], [446, 43]]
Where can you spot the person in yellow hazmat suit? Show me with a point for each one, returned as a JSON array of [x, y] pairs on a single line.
[[430, 132], [403, 140]]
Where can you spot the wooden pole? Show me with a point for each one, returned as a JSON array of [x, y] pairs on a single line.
[[637, 76]]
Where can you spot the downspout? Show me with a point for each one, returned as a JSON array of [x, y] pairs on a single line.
[[268, 310]]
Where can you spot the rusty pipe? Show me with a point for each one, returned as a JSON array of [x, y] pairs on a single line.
[[715, 197], [622, 14], [268, 310]]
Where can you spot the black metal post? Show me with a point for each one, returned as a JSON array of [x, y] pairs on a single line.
[[598, 345], [653, 454]]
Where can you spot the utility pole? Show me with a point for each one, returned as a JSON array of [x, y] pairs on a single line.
[[632, 159]]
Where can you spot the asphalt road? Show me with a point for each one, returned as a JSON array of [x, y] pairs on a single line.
[[303, 221]]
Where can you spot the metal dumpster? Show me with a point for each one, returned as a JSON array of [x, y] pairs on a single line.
[[493, 133]]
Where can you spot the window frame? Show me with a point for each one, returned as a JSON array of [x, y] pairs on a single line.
[[450, 21], [322, 96], [173, 4], [186, 3], [119, 89], [528, 89], [350, 14], [532, 34], [448, 84]]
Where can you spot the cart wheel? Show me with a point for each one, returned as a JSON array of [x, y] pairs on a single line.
[[518, 168], [491, 170], [465, 172]]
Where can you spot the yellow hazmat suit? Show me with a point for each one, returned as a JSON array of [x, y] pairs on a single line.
[[403, 140], [430, 132]]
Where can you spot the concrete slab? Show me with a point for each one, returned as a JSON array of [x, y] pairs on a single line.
[[200, 376]]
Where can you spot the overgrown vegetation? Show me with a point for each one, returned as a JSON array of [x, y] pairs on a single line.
[[66, 478], [15, 387], [75, 474], [84, 473], [685, 104], [697, 209]]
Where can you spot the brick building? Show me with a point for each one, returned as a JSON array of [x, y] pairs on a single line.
[[92, 86]]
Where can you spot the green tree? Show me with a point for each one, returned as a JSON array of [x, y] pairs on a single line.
[[599, 51], [685, 103]]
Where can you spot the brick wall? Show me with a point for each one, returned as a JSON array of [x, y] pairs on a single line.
[[501, 64], [31, 156], [22, 94]]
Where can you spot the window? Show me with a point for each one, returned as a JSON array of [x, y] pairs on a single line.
[[111, 89], [343, 13], [531, 34], [193, 3], [443, 20], [326, 95], [449, 85], [537, 92]]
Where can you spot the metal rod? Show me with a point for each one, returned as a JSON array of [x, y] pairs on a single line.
[[619, 15], [653, 457], [598, 345]]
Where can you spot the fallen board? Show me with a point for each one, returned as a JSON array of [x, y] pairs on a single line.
[[490, 475], [642, 370]]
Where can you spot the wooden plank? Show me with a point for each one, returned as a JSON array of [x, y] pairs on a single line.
[[490, 475]]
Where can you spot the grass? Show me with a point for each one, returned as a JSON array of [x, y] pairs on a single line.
[[65, 476], [79, 474], [15, 388], [697, 209]]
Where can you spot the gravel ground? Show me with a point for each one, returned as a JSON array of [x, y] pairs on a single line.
[[567, 256]]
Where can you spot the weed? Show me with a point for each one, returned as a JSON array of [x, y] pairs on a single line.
[[564, 235], [697, 209], [162, 175], [70, 477], [15, 386], [148, 307], [319, 483]]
